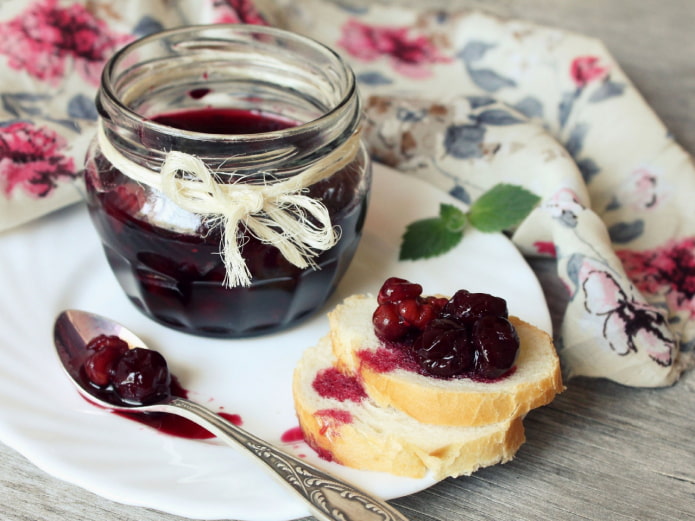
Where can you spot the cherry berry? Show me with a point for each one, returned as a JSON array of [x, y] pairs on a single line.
[[444, 349], [141, 376], [389, 325], [467, 307], [105, 351], [100, 341], [99, 365], [497, 345], [395, 289]]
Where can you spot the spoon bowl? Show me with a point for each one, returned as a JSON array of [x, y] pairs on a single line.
[[73, 330], [328, 497]]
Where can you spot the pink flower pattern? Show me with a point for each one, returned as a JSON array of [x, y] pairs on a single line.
[[546, 248], [31, 159], [627, 323], [667, 270], [45, 37], [586, 69], [237, 11], [410, 56], [640, 191]]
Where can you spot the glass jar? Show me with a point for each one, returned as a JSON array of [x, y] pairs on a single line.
[[257, 106]]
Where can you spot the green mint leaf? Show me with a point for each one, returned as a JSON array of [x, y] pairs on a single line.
[[433, 236], [501, 207]]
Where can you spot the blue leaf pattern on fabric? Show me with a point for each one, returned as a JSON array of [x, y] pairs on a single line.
[[608, 89], [410, 116], [575, 141], [480, 101], [622, 233], [463, 141], [588, 168], [474, 51], [614, 204], [349, 8], [22, 103], [568, 218], [489, 80], [147, 25], [67, 123], [82, 107], [497, 117], [574, 264], [374, 78], [565, 108], [530, 107], [460, 193]]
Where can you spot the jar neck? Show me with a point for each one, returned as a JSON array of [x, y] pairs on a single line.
[[249, 68]]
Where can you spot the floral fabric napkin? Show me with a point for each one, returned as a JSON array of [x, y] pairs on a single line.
[[51, 56], [463, 100]]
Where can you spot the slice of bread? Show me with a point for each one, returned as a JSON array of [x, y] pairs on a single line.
[[454, 402], [344, 425]]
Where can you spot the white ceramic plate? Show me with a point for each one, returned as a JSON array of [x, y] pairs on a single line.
[[57, 263]]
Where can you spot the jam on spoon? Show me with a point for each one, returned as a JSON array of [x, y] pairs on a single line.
[[329, 498], [136, 376]]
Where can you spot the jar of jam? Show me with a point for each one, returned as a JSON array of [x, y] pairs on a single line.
[[227, 180]]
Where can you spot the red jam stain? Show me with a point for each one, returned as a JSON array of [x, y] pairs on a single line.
[[332, 418], [177, 277], [176, 425], [322, 453], [331, 383], [386, 359], [232, 418], [292, 435]]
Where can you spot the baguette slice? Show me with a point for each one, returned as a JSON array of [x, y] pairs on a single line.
[[360, 434], [456, 402]]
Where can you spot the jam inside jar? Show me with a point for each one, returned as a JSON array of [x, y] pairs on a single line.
[[252, 103]]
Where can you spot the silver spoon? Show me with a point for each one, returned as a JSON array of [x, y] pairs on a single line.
[[329, 498]]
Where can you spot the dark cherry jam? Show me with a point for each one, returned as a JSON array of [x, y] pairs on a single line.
[[175, 273], [466, 336], [223, 121]]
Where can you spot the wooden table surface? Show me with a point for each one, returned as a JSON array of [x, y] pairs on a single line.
[[600, 451]]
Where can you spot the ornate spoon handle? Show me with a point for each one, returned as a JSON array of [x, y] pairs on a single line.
[[329, 498]]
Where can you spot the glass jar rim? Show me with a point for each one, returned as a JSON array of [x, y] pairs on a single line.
[[109, 94]]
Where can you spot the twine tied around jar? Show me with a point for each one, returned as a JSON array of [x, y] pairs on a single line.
[[277, 212]]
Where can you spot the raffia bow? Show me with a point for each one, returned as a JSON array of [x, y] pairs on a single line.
[[277, 213]]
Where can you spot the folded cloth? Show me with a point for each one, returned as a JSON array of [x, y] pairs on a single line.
[[466, 100], [461, 99]]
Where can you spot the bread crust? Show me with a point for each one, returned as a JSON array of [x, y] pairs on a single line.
[[403, 448], [454, 402]]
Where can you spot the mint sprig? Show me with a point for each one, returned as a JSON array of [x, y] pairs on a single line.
[[434, 236], [500, 208]]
